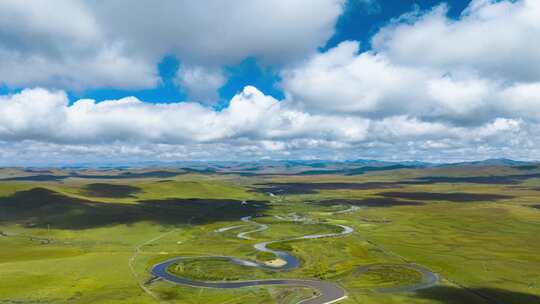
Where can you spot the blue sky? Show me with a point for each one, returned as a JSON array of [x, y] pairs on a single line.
[[428, 80], [362, 19]]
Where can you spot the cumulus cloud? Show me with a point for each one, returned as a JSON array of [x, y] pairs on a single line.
[[217, 32], [201, 84], [90, 44], [254, 125], [39, 114], [373, 85], [342, 80], [493, 38], [64, 47]]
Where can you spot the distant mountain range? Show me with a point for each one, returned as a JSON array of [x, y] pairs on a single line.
[[319, 167], [493, 162], [304, 167]]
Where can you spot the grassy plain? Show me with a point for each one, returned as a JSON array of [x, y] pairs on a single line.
[[70, 242]]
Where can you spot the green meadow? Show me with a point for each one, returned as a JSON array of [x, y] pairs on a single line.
[[94, 240]]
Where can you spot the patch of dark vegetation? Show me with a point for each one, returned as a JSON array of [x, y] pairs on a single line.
[[40, 171], [127, 175], [368, 202], [312, 188], [536, 206], [40, 207], [200, 171], [123, 175], [247, 174], [35, 178], [356, 171], [110, 190], [452, 196], [526, 167], [455, 295], [494, 179], [257, 168], [316, 165], [224, 171], [321, 172]]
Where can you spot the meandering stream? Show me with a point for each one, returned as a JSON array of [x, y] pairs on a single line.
[[328, 292]]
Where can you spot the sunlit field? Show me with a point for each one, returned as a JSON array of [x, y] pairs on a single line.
[[96, 239]]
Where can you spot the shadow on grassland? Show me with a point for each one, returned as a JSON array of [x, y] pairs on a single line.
[[34, 178], [40, 207], [312, 188], [110, 190], [368, 202], [454, 295], [123, 175], [494, 179], [526, 167], [451, 196]]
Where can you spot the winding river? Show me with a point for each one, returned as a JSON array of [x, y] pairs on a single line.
[[327, 292]]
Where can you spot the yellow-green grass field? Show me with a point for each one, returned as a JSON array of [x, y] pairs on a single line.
[[95, 240]]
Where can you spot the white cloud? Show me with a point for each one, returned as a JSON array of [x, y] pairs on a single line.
[[32, 114], [371, 85], [341, 80], [497, 39], [41, 114], [522, 100], [220, 32], [92, 44], [64, 47], [201, 84], [252, 126]]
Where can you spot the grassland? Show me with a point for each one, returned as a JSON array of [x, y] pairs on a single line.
[[216, 269], [70, 241]]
